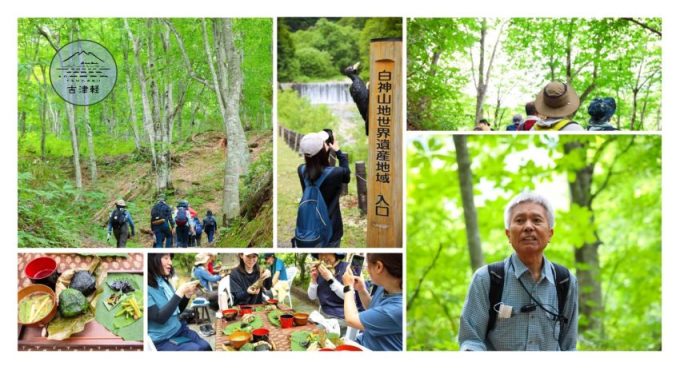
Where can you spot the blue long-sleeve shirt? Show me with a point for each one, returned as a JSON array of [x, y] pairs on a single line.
[[128, 220], [202, 275], [534, 330]]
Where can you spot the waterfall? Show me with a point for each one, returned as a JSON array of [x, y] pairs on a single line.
[[324, 92]]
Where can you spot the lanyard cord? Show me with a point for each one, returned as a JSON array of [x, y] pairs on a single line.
[[555, 316]]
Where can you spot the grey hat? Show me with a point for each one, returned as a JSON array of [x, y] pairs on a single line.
[[517, 118], [312, 143]]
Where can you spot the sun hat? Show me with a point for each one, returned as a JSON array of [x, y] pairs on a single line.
[[557, 99]]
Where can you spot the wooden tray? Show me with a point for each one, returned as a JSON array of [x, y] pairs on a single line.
[[94, 337]]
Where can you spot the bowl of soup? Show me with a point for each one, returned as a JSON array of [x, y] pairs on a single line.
[[239, 338], [37, 305], [300, 319]]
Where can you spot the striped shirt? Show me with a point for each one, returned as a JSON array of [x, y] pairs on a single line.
[[535, 330]]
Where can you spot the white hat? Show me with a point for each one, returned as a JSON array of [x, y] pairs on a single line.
[[312, 143]]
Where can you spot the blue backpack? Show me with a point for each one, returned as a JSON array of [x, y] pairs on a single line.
[[313, 228], [181, 218], [198, 227]]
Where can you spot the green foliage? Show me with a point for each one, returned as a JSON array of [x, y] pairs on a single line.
[[299, 114], [256, 42], [314, 63], [625, 218], [51, 215], [320, 51], [376, 27], [607, 57], [287, 64]]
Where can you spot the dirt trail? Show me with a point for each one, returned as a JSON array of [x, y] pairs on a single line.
[[197, 175]]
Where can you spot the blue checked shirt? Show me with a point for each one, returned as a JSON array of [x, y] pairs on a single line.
[[522, 331]]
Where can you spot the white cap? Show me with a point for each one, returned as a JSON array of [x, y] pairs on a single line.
[[312, 143]]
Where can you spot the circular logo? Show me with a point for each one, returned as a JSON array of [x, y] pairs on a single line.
[[83, 72]]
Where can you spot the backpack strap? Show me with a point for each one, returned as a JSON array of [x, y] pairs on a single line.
[[319, 181], [562, 282], [562, 124], [497, 278], [559, 125]]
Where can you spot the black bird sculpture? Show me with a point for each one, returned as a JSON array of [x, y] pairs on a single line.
[[359, 91]]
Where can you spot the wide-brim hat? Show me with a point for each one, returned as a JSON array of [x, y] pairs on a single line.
[[202, 258], [557, 99], [337, 255]]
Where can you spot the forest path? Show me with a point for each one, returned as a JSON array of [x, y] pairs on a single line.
[[197, 175]]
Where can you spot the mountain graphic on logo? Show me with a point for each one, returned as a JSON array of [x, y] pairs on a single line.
[[80, 58]]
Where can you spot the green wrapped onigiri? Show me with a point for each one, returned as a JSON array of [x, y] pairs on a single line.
[[72, 302]]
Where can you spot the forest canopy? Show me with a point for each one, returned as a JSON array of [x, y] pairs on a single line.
[[461, 70]]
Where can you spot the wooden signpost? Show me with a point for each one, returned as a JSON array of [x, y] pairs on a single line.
[[384, 145]]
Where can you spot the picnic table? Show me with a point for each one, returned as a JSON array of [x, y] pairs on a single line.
[[95, 336], [279, 337]]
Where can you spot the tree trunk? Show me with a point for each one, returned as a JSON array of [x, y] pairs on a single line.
[[481, 86], [634, 112], [467, 196], [74, 145], [133, 113], [587, 259], [644, 109], [131, 99], [146, 105], [22, 122], [90, 146], [160, 129]]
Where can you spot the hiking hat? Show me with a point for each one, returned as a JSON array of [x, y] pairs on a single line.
[[517, 119], [601, 110], [338, 256], [557, 99], [312, 143], [120, 203], [202, 258]]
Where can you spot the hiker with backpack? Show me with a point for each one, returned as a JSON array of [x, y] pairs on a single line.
[[209, 226], [524, 302], [532, 117], [183, 224], [319, 221], [556, 103], [162, 223], [601, 111], [119, 220], [198, 231], [516, 122]]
